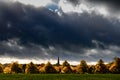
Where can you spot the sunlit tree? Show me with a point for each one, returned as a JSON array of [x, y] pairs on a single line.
[[65, 63], [82, 68], [100, 67], [31, 68], [58, 69], [91, 69], [49, 68], [41, 68], [15, 68], [115, 67], [1, 68], [66, 67], [7, 70], [23, 68], [73, 69]]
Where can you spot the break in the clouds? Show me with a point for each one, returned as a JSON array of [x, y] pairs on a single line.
[[72, 30]]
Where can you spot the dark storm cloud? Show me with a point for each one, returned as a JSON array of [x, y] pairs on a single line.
[[112, 5], [112, 2], [68, 34], [41, 26], [75, 2]]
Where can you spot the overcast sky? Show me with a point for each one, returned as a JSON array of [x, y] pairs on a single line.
[[41, 30]]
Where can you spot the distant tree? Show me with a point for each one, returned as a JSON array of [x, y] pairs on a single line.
[[109, 64], [31, 68], [57, 68], [41, 68], [23, 68], [100, 67], [42, 65], [91, 69], [66, 70], [65, 63], [115, 67], [82, 68], [73, 69], [1, 68], [7, 70], [66, 67], [15, 68], [49, 68]]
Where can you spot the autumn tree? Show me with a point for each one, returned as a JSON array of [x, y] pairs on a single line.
[[100, 67], [1, 68], [58, 69], [82, 68], [23, 68], [49, 68], [73, 69], [65, 63], [109, 64], [31, 68], [115, 67], [15, 68], [7, 70], [41, 68], [91, 69], [66, 67]]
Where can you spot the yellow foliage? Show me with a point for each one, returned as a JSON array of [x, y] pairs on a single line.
[[57, 68], [66, 70], [7, 70], [41, 69]]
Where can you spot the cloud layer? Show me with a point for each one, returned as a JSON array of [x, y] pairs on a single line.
[[40, 32]]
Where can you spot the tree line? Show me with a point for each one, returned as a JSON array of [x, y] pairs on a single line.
[[82, 68]]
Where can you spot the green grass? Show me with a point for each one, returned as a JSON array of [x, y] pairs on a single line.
[[59, 76]]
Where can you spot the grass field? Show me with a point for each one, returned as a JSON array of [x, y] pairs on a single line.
[[59, 76]]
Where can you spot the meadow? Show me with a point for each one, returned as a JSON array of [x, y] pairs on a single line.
[[59, 76]]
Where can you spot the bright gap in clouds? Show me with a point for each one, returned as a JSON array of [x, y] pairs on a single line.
[[7, 60], [102, 10], [37, 3], [66, 6], [85, 7], [82, 7]]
